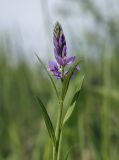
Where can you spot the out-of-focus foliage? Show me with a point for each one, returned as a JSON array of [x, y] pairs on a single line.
[[93, 129]]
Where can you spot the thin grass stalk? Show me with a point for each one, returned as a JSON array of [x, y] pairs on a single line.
[[105, 109], [56, 154]]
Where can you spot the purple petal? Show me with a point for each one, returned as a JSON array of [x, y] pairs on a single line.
[[57, 75], [52, 63], [52, 66], [64, 51], [62, 40], [69, 60], [60, 60], [55, 52]]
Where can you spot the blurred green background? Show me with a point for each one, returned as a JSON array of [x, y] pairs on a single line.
[[92, 133]]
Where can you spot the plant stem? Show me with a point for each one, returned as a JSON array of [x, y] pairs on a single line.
[[56, 148], [59, 150]]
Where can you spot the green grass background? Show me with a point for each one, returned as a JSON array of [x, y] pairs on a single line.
[[93, 130]]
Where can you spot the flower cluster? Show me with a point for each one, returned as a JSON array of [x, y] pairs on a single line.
[[60, 52]]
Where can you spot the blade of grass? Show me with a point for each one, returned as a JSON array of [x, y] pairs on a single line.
[[52, 81], [47, 121]]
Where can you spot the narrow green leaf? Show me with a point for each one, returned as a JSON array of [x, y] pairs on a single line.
[[73, 102], [67, 79], [52, 81], [47, 122], [76, 95], [68, 113]]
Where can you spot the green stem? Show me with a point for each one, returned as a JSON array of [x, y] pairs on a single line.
[[58, 129], [59, 150], [57, 147], [54, 153]]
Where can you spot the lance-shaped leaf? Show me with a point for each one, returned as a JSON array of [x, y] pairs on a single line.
[[68, 113], [67, 79], [73, 102], [76, 95], [52, 81], [47, 122]]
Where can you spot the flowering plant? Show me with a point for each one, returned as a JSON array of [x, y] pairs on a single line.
[[58, 69], [60, 52]]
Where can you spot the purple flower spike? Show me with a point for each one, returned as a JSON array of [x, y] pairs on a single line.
[[60, 52]]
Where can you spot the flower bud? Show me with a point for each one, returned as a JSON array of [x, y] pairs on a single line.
[[59, 40]]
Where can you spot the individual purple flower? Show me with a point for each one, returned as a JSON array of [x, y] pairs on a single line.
[[54, 68], [60, 53]]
